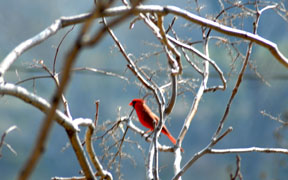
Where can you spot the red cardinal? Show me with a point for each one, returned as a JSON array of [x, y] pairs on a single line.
[[148, 119]]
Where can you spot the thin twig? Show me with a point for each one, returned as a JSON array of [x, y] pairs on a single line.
[[58, 47], [3, 137], [33, 78], [55, 77], [186, 55], [131, 64], [119, 148], [204, 57], [238, 167], [240, 77], [108, 73], [274, 118], [97, 113]]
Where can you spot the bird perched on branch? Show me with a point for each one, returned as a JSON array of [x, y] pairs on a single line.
[[148, 119]]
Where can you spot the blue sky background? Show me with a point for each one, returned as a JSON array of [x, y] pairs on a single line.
[[21, 20]]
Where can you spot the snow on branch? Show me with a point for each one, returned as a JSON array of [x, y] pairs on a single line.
[[120, 10]]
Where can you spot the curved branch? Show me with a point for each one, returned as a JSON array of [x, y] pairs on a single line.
[[43, 105], [172, 100], [116, 11], [38, 102], [175, 63], [201, 153], [2, 142], [89, 146], [272, 47], [26, 45], [203, 56]]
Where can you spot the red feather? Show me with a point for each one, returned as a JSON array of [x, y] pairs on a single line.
[[148, 119]]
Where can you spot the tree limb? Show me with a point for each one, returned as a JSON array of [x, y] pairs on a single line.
[[120, 10], [44, 106]]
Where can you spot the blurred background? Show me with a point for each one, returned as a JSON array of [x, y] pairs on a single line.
[[20, 20]]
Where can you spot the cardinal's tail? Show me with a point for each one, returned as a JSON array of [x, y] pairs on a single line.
[[172, 139]]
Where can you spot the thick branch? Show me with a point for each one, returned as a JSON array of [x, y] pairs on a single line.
[[248, 150], [200, 154], [194, 106], [80, 154], [175, 63], [26, 45], [116, 11], [90, 150], [40, 103], [272, 47]]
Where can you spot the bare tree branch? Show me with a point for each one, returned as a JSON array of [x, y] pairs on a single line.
[[57, 49], [247, 150], [26, 45], [240, 76], [175, 64], [200, 154], [151, 86], [90, 150], [204, 57], [68, 64], [153, 17], [47, 123], [3, 137], [116, 11], [95, 70], [272, 47], [194, 107], [238, 172], [284, 123], [55, 77], [40, 103]]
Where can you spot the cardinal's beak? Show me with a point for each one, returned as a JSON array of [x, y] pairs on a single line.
[[131, 104]]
